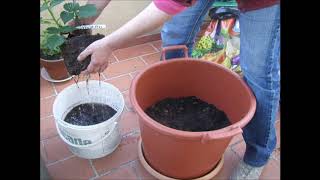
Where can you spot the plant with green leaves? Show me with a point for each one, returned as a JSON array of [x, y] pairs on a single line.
[[53, 37]]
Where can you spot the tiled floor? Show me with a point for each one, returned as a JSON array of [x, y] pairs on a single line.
[[123, 163]]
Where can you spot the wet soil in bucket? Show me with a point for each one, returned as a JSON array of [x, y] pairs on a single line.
[[188, 114], [89, 114]]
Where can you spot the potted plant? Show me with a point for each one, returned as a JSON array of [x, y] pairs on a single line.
[[50, 44], [57, 56]]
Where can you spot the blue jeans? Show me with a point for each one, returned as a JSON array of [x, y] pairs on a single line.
[[260, 63]]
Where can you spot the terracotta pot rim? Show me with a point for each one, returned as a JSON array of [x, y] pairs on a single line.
[[54, 60], [228, 131]]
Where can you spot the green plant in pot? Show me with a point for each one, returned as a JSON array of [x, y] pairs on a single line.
[[62, 43]]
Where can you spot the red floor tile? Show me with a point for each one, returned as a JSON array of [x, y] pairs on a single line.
[[127, 100], [239, 148], [127, 151], [122, 173], [122, 83], [133, 51], [152, 58], [141, 171], [112, 59], [124, 67], [157, 44], [129, 122], [271, 171], [278, 134], [231, 160], [43, 152], [236, 139], [47, 128], [134, 74], [46, 106], [56, 149], [46, 88], [73, 168]]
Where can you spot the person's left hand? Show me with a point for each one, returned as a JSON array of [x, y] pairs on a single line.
[[100, 52]]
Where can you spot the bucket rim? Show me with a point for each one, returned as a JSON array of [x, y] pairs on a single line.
[[94, 126]]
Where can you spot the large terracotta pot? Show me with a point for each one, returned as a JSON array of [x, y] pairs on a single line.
[[181, 154], [55, 68]]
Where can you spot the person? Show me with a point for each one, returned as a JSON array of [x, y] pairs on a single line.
[[259, 59]]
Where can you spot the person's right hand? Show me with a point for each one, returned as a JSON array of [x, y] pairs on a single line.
[[100, 51]]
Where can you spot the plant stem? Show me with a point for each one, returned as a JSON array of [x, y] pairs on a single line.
[[51, 13]]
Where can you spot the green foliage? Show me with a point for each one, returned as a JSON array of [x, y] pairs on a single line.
[[54, 35]]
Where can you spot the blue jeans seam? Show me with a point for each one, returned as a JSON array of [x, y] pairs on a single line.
[[271, 77]]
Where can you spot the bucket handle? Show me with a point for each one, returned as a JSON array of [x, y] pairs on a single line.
[[171, 48], [89, 145], [234, 130]]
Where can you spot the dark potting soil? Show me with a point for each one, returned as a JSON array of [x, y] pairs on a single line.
[[188, 114], [73, 47], [46, 57], [89, 114]]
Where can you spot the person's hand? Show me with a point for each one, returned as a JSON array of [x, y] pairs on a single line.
[[100, 52]]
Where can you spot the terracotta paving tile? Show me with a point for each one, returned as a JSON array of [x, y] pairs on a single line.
[[47, 128], [56, 149], [152, 58], [239, 148], [122, 83], [127, 100], [278, 134], [271, 171], [46, 88], [141, 171], [43, 152], [129, 122], [236, 139], [112, 59], [231, 160], [73, 168], [46, 106], [157, 44], [133, 51], [122, 173], [134, 74], [127, 151], [124, 67]]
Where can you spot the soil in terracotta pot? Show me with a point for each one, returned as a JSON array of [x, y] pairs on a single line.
[[89, 114], [188, 114], [73, 46]]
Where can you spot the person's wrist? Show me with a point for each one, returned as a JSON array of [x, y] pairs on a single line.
[[108, 44]]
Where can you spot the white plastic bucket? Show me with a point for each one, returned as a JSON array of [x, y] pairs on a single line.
[[94, 141]]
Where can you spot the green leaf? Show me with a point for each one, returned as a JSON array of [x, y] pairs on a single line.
[[70, 7], [76, 6], [54, 41], [87, 10], [43, 7], [53, 30], [66, 16], [55, 2], [66, 29]]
